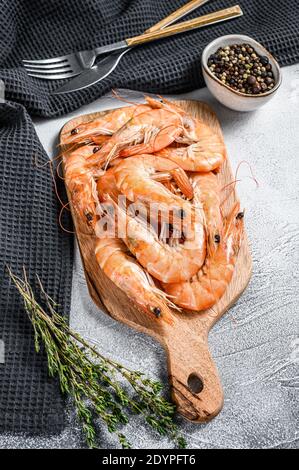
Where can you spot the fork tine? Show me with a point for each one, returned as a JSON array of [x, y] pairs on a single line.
[[47, 72], [58, 76], [46, 61], [46, 66]]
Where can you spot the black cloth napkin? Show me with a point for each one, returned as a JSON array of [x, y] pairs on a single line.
[[29, 234]]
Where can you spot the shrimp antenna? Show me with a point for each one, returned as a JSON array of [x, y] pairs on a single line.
[[55, 187], [235, 181], [120, 98], [251, 171], [49, 162], [60, 219], [58, 171]]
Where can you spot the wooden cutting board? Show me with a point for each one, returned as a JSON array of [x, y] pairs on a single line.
[[193, 377]]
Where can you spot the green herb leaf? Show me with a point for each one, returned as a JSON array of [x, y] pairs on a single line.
[[93, 380]]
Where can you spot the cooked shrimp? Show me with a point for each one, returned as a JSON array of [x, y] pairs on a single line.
[[210, 283], [148, 132], [106, 185], [203, 149], [122, 269], [105, 125], [207, 190], [80, 182], [203, 155], [140, 179], [164, 262]]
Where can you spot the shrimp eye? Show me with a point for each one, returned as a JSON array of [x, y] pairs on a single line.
[[240, 215], [89, 216], [96, 149], [75, 131], [157, 311], [217, 238]]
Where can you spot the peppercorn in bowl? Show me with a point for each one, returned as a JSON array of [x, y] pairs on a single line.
[[240, 72]]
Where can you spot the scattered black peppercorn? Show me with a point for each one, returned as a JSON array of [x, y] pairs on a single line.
[[96, 149], [241, 68], [240, 215], [217, 238], [74, 131]]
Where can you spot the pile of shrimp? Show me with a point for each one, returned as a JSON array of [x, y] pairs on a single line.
[[143, 179]]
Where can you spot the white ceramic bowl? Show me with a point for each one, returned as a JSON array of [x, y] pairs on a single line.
[[234, 99]]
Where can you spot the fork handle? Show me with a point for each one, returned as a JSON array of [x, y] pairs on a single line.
[[199, 22], [177, 15]]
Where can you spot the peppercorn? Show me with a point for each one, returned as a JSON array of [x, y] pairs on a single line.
[[251, 80], [242, 68], [256, 89], [268, 80], [264, 60]]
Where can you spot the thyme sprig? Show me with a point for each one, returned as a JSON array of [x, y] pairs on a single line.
[[92, 380]]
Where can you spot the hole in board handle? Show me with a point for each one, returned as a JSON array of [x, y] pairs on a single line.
[[195, 383]]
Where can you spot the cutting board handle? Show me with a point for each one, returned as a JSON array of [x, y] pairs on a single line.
[[195, 385]]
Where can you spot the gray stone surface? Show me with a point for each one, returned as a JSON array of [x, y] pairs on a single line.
[[256, 344]]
